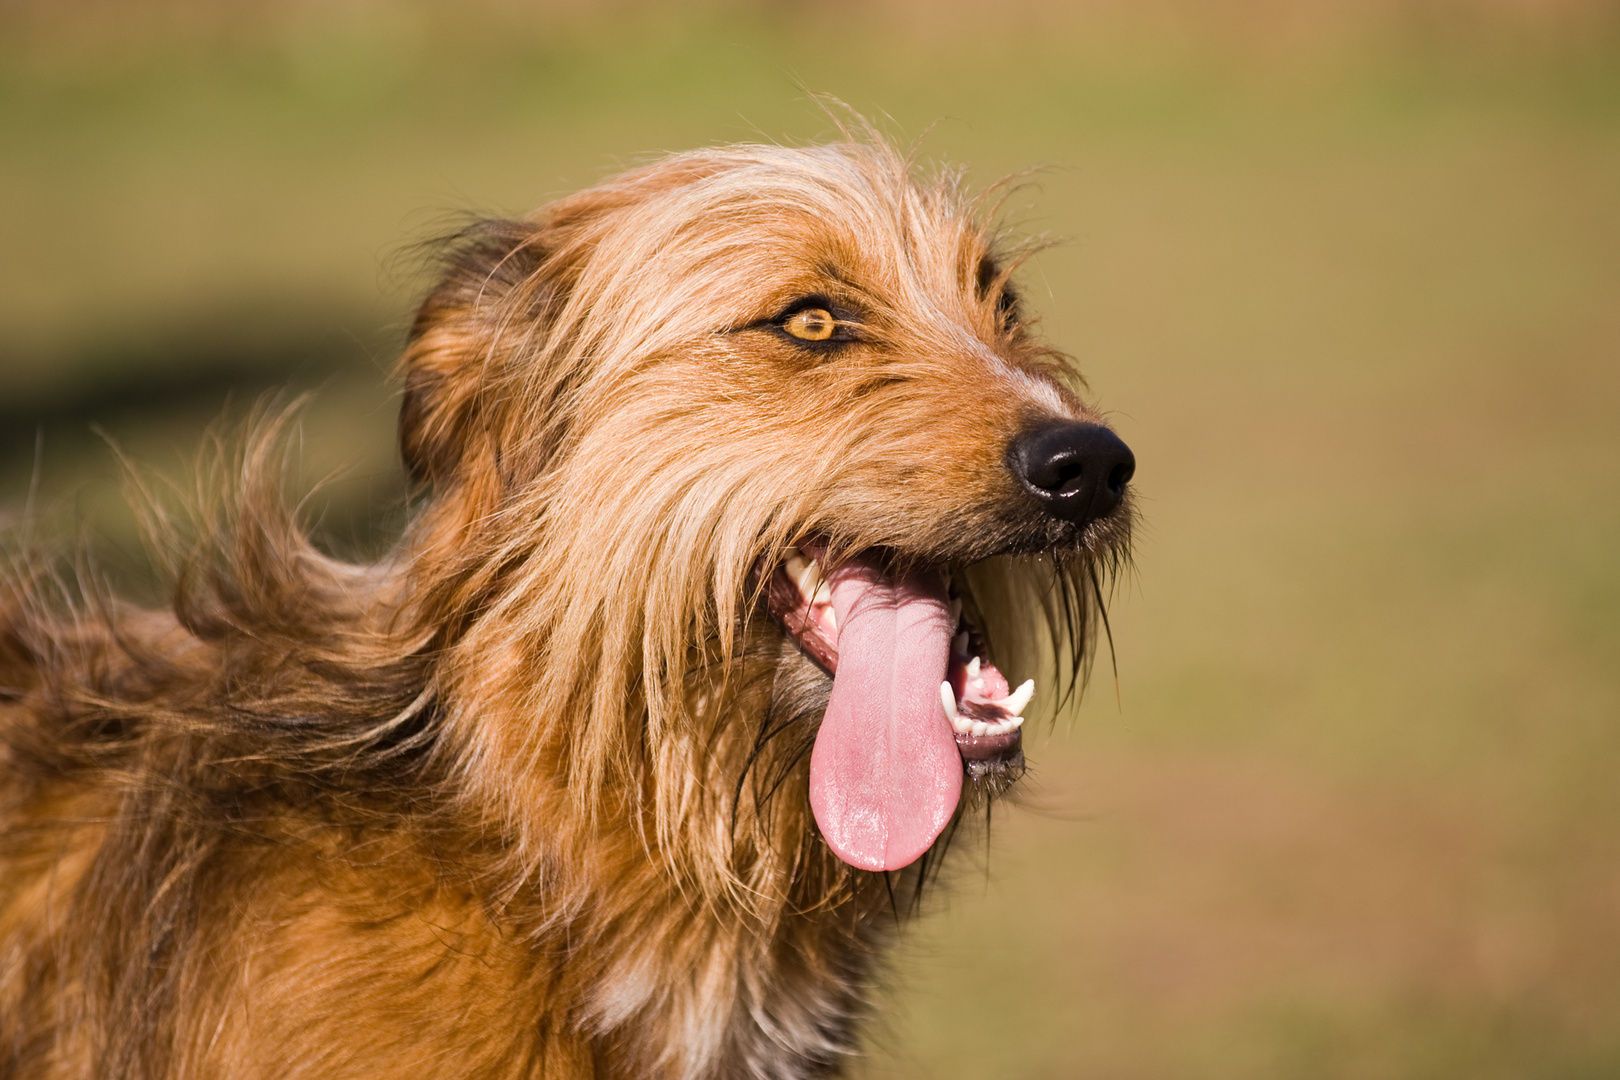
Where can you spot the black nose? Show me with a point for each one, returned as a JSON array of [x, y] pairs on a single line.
[[1077, 471]]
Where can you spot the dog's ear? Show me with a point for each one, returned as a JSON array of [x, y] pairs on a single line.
[[493, 288]]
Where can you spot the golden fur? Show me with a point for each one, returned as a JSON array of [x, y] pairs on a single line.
[[527, 797]]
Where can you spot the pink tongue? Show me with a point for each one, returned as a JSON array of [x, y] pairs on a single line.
[[885, 774]]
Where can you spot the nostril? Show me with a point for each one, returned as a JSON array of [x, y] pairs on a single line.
[[1119, 476], [1071, 475]]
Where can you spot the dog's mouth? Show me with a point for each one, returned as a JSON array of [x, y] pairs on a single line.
[[914, 703]]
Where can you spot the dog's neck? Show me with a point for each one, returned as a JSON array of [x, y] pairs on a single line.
[[694, 851]]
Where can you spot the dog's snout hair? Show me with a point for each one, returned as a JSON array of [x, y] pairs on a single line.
[[530, 793]]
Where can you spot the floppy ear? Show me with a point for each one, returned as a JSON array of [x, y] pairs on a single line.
[[492, 291]]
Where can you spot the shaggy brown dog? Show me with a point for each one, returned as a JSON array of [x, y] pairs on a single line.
[[735, 472]]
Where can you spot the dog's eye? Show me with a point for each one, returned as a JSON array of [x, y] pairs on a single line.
[[811, 324], [815, 323]]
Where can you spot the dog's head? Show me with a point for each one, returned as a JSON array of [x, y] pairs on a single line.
[[755, 446]]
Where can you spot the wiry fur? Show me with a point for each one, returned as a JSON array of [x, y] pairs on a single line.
[[528, 797]]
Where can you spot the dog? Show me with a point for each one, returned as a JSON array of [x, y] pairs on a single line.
[[743, 490]]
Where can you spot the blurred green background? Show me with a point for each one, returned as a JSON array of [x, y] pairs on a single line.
[[1347, 277]]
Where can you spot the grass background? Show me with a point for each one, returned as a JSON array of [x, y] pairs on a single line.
[[1347, 277]]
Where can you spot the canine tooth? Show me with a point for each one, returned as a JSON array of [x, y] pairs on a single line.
[[823, 594], [973, 668], [947, 698], [798, 568], [980, 727], [1017, 701], [959, 644]]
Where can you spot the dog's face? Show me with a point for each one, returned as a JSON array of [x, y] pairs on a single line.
[[788, 383]]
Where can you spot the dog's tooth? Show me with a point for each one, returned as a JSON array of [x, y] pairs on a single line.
[[947, 698], [796, 564], [1017, 701], [823, 594], [980, 728], [962, 725], [1015, 723], [959, 644], [973, 668], [809, 580]]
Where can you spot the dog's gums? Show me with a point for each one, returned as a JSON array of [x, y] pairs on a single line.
[[973, 695]]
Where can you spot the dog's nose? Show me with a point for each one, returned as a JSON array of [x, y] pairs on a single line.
[[1077, 471]]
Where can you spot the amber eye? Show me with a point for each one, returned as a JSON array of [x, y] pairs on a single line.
[[811, 324]]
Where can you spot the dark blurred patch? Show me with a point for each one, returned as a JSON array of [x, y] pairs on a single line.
[[201, 357], [153, 391]]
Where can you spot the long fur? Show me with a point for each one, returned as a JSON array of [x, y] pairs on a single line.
[[527, 797]]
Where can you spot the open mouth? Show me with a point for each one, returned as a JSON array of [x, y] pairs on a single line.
[[914, 702]]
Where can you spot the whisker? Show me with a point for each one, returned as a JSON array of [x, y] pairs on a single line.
[[1108, 632]]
